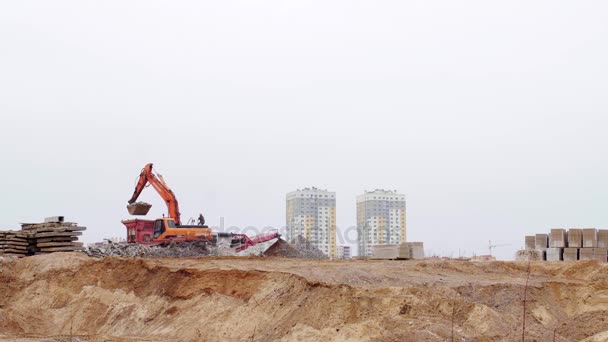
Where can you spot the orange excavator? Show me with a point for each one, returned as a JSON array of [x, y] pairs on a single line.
[[167, 229]]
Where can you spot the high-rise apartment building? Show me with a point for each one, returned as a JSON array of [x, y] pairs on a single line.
[[380, 219], [311, 213]]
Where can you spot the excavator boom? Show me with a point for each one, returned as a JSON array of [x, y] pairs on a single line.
[[147, 176]]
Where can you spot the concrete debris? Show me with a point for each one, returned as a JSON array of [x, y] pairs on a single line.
[[172, 250], [298, 248]]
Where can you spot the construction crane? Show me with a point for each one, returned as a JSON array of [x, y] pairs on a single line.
[[491, 246]]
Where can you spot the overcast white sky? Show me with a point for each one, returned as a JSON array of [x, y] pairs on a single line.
[[492, 117]]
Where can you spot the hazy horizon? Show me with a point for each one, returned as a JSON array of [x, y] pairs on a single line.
[[490, 117]]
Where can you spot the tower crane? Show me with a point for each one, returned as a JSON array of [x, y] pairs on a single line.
[[491, 246]]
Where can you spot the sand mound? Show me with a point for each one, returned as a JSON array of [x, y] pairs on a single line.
[[265, 299]]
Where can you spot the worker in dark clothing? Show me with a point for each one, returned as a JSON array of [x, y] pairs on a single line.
[[201, 220]]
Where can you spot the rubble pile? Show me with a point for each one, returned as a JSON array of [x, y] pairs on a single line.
[[172, 250], [298, 248], [117, 249]]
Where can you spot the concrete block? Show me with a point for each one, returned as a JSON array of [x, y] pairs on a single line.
[[555, 254], [602, 238], [586, 254], [541, 241], [575, 238], [530, 242], [530, 254], [53, 219], [406, 250], [570, 254], [590, 238], [557, 238], [385, 251], [600, 254]]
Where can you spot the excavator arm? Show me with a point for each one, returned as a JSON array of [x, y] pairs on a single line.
[[158, 183]]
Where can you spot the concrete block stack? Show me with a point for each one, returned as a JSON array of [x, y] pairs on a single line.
[[406, 250], [557, 243], [13, 243], [567, 245]]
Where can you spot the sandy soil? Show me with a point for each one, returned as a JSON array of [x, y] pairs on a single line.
[[265, 299]]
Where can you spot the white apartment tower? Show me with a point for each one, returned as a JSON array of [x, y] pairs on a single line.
[[311, 213], [380, 219]]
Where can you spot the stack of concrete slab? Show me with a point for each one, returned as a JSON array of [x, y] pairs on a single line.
[[53, 235], [13, 243], [590, 238], [406, 250], [555, 254], [575, 238], [602, 238], [570, 254], [530, 242], [557, 238], [541, 242]]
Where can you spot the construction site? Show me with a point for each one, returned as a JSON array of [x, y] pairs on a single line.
[[171, 281], [260, 171]]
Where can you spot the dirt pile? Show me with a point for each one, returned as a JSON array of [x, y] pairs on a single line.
[[266, 299], [298, 248]]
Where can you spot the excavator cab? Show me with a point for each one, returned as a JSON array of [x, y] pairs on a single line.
[[160, 226], [166, 228]]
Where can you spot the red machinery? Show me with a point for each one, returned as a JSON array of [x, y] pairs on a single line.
[[247, 241], [140, 231]]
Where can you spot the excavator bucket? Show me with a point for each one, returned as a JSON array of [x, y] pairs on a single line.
[[139, 208]]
